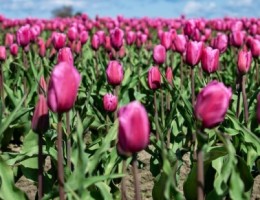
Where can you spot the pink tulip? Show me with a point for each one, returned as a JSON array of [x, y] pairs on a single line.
[[110, 102], [133, 130], [255, 48], [117, 36], [108, 44], [14, 49], [130, 37], [40, 120], [42, 49], [221, 42], [169, 75], [166, 40], [63, 86], [244, 61], [72, 34], [159, 54], [210, 59], [65, 55], [2, 53], [212, 104], [102, 36], [42, 89], [59, 40], [78, 47], [237, 38], [193, 53], [83, 37], [154, 78], [115, 73], [23, 36], [95, 42], [180, 42], [9, 39], [189, 28]]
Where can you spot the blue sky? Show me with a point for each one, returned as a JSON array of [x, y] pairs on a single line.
[[134, 8]]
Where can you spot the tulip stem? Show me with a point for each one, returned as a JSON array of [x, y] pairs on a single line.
[[257, 71], [25, 62], [2, 87], [96, 65], [200, 174], [156, 113], [162, 107], [60, 159], [40, 166], [245, 99], [136, 178], [238, 94], [107, 122], [68, 140], [116, 90], [168, 108], [123, 183], [192, 86], [181, 71]]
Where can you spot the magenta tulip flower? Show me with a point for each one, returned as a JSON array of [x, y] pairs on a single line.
[[169, 75], [255, 48], [166, 40], [72, 34], [193, 53], [221, 42], [117, 36], [110, 102], [83, 37], [95, 42], [65, 55], [210, 59], [63, 87], [180, 42], [154, 78], [212, 104], [115, 73], [133, 130], [2, 53], [59, 40], [130, 37], [244, 61], [159, 54], [23, 36], [9, 39], [14, 49]]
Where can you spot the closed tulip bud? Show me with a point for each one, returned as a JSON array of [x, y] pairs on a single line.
[[35, 32], [9, 39], [102, 37], [14, 49], [221, 42], [121, 52], [193, 53], [180, 42], [244, 61], [166, 40], [78, 47], [237, 38], [115, 73], [42, 89], [212, 104], [154, 78], [65, 55], [159, 54], [108, 44], [95, 42], [72, 34], [59, 40], [189, 28], [42, 49], [23, 36], [210, 59], [169, 75], [83, 37], [130, 37], [117, 36], [258, 108], [63, 87], [40, 120], [2, 53], [133, 130], [255, 48], [110, 102]]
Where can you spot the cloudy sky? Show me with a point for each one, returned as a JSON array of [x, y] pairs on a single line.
[[134, 8]]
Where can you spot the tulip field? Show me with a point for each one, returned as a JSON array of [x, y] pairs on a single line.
[[129, 108]]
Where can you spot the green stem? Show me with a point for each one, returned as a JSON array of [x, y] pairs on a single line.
[[40, 166], [68, 140], [136, 179], [2, 87], [245, 99], [123, 182], [155, 113]]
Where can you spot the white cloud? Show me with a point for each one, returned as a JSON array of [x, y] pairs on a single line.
[[240, 2], [195, 7]]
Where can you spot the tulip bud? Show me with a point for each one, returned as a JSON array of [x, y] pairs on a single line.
[[237, 38], [2, 53], [108, 44], [180, 42], [212, 104], [244, 61], [42, 49], [166, 40], [59, 40], [159, 54], [72, 34], [78, 47], [83, 37], [258, 108], [115, 73], [130, 37], [95, 42], [14, 49], [154, 78], [9, 39], [42, 89], [133, 130], [255, 48], [189, 28], [221, 42], [169, 75], [193, 53], [23, 36], [117, 36], [63, 86], [65, 55], [40, 120], [102, 37], [110, 102], [210, 59]]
